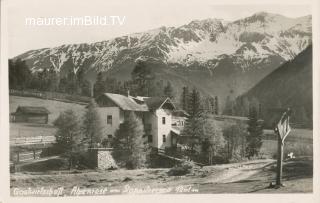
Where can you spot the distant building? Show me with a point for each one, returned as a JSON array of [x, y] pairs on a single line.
[[30, 114], [162, 121]]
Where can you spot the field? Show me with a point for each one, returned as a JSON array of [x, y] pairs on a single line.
[[55, 107], [299, 142]]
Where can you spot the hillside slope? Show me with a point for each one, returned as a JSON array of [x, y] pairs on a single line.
[[288, 86]]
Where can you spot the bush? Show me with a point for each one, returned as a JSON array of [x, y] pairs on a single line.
[[182, 169], [52, 151], [83, 160]]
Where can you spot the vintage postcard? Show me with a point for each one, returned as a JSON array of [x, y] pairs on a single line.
[[201, 100]]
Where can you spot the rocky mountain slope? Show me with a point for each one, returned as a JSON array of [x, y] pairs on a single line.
[[217, 58]]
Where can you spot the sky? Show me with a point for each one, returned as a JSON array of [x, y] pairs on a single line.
[[139, 16]]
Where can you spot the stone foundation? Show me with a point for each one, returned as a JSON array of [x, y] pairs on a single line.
[[105, 159]]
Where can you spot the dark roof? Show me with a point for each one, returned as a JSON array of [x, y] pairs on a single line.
[[126, 103], [154, 103], [32, 110], [236, 118], [138, 103], [180, 113], [224, 117]]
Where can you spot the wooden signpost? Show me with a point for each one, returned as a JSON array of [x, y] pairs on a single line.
[[282, 129]]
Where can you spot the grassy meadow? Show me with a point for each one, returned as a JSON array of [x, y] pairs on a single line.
[[30, 129]]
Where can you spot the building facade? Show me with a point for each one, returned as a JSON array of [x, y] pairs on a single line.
[[162, 121]]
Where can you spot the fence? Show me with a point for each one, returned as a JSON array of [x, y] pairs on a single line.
[[50, 95], [19, 141], [25, 156]]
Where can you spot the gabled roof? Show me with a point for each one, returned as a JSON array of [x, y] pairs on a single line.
[[180, 113], [32, 110], [154, 103], [138, 103], [126, 103]]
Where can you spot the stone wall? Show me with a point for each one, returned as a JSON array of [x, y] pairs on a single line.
[[105, 160]]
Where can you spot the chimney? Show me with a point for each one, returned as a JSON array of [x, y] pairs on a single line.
[[128, 93]]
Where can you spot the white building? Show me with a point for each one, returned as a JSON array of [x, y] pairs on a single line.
[[162, 121]]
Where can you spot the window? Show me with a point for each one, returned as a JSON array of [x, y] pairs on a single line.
[[180, 123], [149, 138], [109, 136], [164, 139], [109, 119], [163, 120]]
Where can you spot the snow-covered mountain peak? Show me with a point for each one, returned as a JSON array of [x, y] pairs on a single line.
[[246, 42]]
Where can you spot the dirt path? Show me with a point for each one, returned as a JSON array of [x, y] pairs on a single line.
[[246, 177], [238, 172]]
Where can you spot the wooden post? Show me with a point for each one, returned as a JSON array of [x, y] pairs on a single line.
[[279, 161], [34, 153], [282, 129], [18, 158]]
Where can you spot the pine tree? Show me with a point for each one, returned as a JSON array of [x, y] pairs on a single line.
[[209, 105], [193, 129], [159, 89], [19, 74], [194, 124], [92, 126], [216, 105], [86, 88], [128, 145], [194, 103], [72, 86], [229, 107], [255, 132], [185, 98], [168, 91], [144, 79], [99, 87], [254, 103], [245, 106], [63, 85]]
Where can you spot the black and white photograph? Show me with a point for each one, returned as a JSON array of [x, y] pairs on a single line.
[[106, 98]]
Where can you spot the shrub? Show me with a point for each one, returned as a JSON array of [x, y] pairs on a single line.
[[182, 169]]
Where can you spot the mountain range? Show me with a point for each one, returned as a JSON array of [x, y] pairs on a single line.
[[219, 58]]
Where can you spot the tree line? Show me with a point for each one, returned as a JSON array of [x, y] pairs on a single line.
[[22, 78], [241, 105], [205, 139], [143, 82]]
